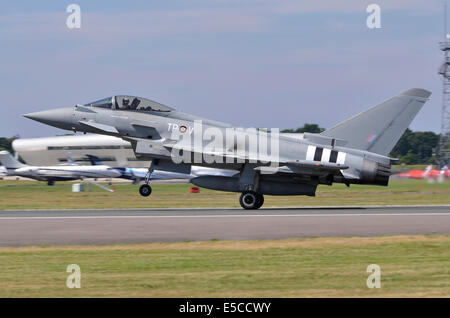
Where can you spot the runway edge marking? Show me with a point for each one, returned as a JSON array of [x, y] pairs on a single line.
[[219, 216], [237, 208]]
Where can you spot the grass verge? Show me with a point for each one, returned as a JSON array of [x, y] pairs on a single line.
[[411, 266], [36, 195]]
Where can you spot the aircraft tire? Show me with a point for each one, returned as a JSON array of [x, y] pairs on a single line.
[[50, 183], [145, 190], [260, 201], [250, 200]]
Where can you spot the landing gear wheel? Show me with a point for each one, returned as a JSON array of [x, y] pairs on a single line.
[[145, 190], [251, 200], [260, 201], [51, 183]]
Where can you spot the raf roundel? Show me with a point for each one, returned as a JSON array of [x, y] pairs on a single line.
[[183, 129]]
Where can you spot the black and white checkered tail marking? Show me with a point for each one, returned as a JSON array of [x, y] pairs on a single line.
[[314, 153]]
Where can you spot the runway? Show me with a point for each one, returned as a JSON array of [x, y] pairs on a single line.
[[80, 227]]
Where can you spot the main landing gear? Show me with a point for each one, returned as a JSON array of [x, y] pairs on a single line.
[[251, 200]]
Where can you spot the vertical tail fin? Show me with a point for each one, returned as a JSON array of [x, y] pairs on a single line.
[[429, 168], [9, 161], [95, 161], [379, 128], [70, 160]]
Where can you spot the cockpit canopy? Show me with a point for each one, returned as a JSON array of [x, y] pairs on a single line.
[[126, 102]]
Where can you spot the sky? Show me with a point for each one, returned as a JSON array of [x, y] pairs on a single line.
[[251, 63]]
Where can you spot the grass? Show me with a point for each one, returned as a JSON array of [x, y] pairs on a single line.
[[411, 266], [36, 195]]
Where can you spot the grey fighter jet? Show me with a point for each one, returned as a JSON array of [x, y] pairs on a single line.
[[354, 151]]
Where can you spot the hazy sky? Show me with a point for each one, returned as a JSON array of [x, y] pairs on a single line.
[[253, 63]]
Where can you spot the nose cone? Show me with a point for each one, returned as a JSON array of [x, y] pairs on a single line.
[[60, 118]]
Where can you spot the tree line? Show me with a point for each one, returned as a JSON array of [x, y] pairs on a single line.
[[6, 143]]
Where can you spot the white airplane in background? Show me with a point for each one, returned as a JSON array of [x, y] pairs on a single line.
[[73, 171], [3, 172], [138, 174], [55, 173]]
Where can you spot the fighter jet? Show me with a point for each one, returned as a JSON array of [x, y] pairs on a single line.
[[54, 173], [354, 151]]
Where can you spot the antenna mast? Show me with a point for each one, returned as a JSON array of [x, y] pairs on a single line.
[[443, 150]]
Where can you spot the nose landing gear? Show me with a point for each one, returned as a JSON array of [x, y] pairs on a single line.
[[145, 190]]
